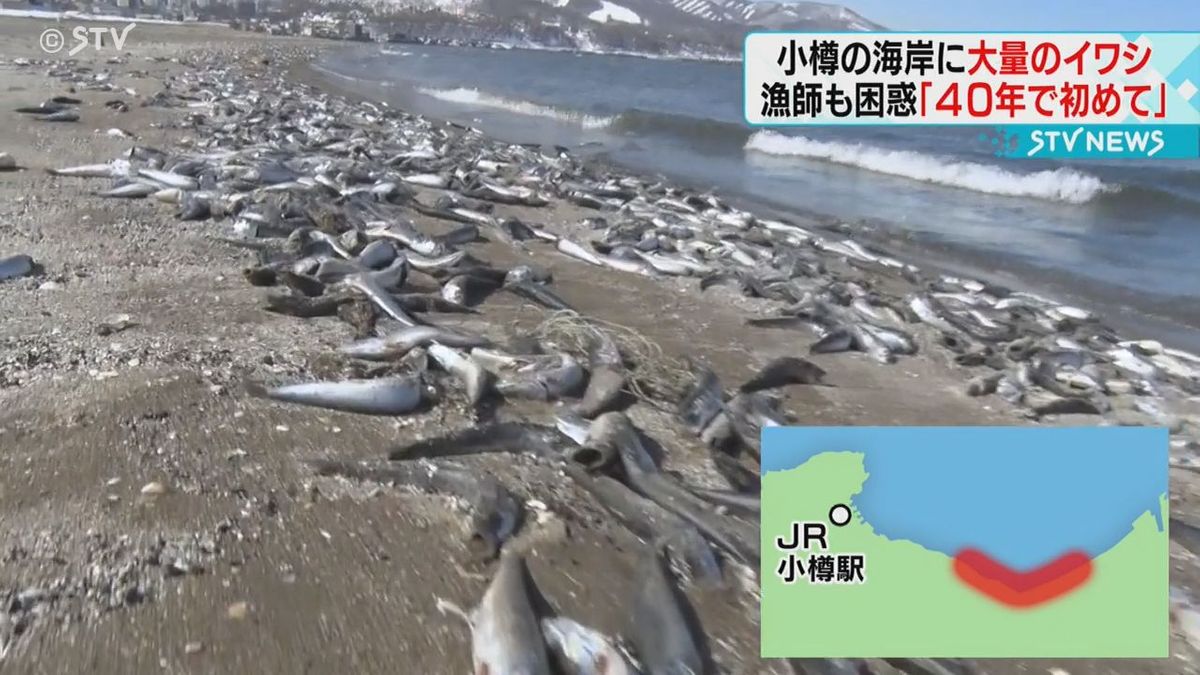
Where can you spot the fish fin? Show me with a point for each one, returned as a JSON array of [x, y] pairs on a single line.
[[446, 607]]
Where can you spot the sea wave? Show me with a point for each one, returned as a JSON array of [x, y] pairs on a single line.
[[1064, 185], [474, 97]]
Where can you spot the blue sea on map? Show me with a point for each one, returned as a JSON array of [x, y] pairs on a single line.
[[1023, 495]]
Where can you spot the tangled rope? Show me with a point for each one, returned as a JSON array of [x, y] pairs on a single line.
[[655, 377]]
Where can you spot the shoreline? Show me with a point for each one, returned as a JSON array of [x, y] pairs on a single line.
[[1139, 315], [240, 558]]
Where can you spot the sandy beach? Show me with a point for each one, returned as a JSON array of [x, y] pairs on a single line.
[[154, 518]]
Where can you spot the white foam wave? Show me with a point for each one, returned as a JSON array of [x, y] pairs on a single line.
[[1065, 185], [475, 97]]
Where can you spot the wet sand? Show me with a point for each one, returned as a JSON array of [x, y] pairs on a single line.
[[334, 576]]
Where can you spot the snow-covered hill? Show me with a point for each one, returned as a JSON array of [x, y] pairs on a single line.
[[662, 26]]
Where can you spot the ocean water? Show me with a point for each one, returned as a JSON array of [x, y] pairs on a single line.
[[1024, 496], [1122, 237]]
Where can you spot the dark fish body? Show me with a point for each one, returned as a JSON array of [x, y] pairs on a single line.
[[495, 512], [652, 523], [703, 403], [495, 437], [61, 116], [664, 641], [783, 371], [15, 266], [1186, 534], [538, 294], [607, 377]]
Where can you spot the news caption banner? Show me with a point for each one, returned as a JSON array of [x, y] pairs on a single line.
[[965, 542], [1047, 95]]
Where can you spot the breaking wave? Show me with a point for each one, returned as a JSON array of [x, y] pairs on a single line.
[[1064, 185], [463, 96]]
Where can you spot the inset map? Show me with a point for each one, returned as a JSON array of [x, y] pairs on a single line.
[[965, 542]]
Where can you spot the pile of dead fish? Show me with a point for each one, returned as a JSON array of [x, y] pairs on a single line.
[[323, 192]]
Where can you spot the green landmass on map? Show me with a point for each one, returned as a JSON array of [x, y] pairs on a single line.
[[912, 604]]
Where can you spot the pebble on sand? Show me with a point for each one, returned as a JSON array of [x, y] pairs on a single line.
[[154, 488], [238, 610]]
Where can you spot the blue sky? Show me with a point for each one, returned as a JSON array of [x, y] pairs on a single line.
[[1016, 15]]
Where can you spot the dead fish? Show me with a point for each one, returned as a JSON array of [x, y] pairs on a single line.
[[366, 285], [661, 634], [400, 342], [506, 637], [574, 250], [580, 650], [377, 254], [651, 522], [701, 405], [168, 179], [407, 234], [606, 377], [15, 266], [477, 381], [384, 396], [839, 340], [614, 430], [749, 413], [495, 512], [468, 289], [130, 191], [545, 383], [496, 437], [430, 264], [538, 294], [783, 371], [61, 116], [431, 180], [114, 169]]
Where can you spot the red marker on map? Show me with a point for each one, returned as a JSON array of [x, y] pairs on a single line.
[[1035, 587]]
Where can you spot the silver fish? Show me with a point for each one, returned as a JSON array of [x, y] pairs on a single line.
[[580, 650], [506, 637], [384, 396], [402, 341]]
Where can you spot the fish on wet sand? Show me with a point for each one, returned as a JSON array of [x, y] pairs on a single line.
[[580, 650], [383, 396], [495, 512], [661, 630], [506, 634], [15, 266]]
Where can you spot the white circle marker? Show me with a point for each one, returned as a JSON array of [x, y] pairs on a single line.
[[840, 514]]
